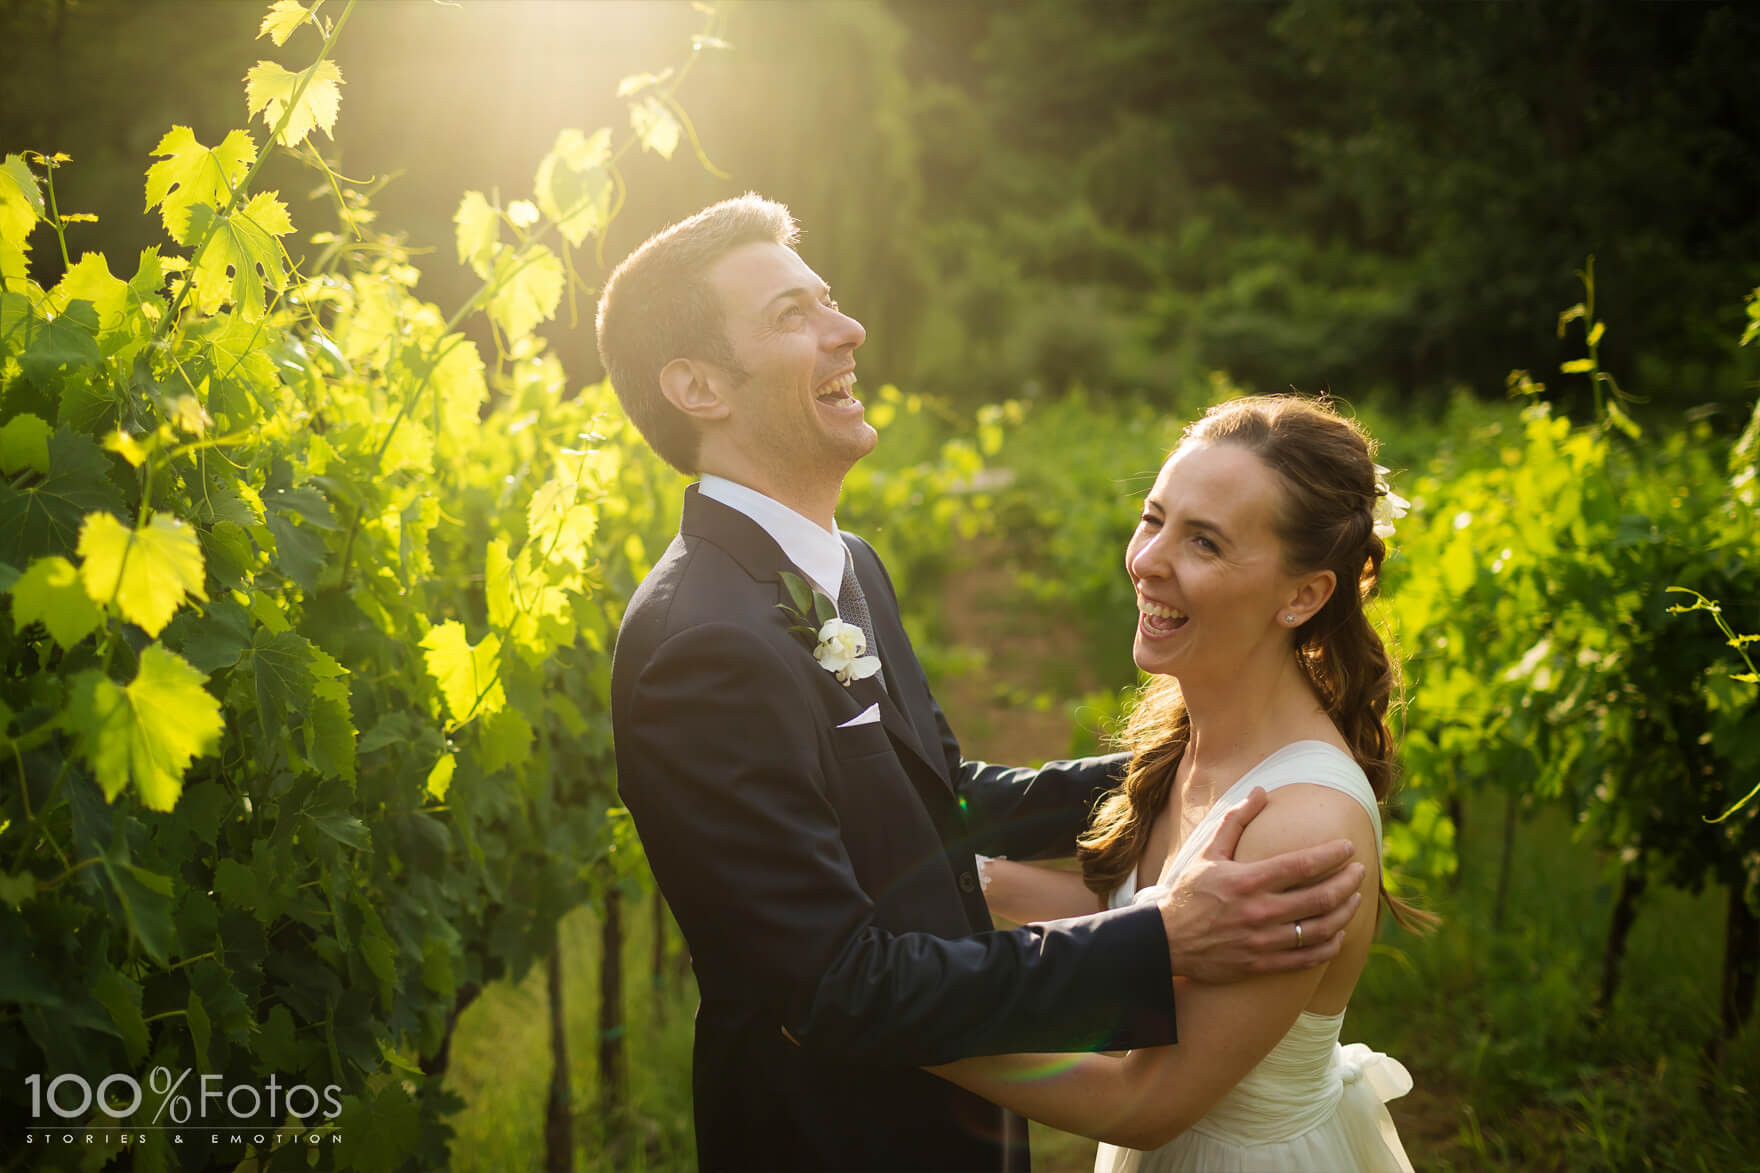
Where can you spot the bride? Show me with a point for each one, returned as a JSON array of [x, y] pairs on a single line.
[[1257, 547]]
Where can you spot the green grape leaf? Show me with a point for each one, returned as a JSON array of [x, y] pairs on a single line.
[[270, 88], [145, 286], [478, 230], [15, 890], [145, 898], [300, 551], [21, 202], [90, 280], [24, 443], [50, 591], [504, 739], [147, 732], [230, 555], [190, 174], [573, 184], [276, 1045], [440, 777], [381, 958], [242, 257], [122, 998], [67, 341], [14, 267], [528, 288], [200, 1030], [655, 126], [458, 381], [147, 573], [341, 826], [330, 735], [468, 676], [45, 518], [236, 884], [309, 504], [280, 666], [279, 23]]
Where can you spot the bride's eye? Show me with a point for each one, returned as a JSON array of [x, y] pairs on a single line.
[[1149, 519]]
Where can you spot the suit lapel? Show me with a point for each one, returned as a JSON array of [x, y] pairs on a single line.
[[916, 731], [757, 552]]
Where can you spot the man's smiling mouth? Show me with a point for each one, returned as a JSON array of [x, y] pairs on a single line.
[[837, 390]]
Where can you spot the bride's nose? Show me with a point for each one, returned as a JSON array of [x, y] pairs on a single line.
[[1146, 559]]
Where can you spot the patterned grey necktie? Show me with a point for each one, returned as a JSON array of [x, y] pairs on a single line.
[[852, 607]]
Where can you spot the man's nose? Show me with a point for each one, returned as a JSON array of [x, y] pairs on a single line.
[[846, 332]]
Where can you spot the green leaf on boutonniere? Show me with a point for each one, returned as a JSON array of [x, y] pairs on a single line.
[[809, 609], [799, 593]]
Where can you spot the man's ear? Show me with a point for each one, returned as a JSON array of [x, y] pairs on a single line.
[[692, 386]]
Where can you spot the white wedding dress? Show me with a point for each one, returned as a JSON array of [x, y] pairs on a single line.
[[1310, 1106]]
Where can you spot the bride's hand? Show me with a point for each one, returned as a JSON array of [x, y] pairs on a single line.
[[1226, 920]]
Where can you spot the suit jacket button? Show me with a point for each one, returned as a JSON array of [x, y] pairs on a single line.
[[968, 882]]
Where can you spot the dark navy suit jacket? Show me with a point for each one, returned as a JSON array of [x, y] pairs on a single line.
[[824, 879]]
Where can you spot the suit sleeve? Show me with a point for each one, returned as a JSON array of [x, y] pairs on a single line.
[[718, 762]]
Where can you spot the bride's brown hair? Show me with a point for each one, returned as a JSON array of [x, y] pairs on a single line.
[[1325, 464]]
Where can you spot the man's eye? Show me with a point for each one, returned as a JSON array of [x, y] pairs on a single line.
[[831, 303]]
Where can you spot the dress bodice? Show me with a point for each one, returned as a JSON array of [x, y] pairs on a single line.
[[1291, 1100], [1313, 762]]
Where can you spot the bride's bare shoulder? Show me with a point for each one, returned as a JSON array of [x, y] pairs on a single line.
[[1304, 814]]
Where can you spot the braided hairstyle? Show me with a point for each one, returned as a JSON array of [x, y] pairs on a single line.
[[1325, 466]]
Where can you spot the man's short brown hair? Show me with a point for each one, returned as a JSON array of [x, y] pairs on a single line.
[[658, 305]]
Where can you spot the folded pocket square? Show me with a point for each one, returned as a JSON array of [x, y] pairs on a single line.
[[867, 716]]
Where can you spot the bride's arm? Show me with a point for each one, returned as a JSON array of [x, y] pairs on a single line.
[[1152, 1095], [1023, 892]]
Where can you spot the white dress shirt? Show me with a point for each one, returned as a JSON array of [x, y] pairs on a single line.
[[818, 552]]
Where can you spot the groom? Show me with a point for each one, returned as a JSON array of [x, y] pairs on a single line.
[[814, 832]]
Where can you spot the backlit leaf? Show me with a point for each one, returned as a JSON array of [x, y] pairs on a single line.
[[573, 186], [440, 777], [147, 573], [192, 174], [242, 256], [90, 280], [468, 676], [655, 126], [270, 88], [24, 443], [529, 288], [146, 733], [51, 592], [478, 229], [21, 201], [279, 23]]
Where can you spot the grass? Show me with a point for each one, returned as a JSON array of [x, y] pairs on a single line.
[[501, 1061]]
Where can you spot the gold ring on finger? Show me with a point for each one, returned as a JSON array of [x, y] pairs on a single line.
[[1298, 934]]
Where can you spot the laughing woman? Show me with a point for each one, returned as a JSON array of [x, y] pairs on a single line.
[[1257, 548]]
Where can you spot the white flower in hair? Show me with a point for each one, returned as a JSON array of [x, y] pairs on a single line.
[[1389, 505]]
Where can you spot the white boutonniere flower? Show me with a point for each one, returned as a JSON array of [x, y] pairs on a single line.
[[840, 651], [837, 646]]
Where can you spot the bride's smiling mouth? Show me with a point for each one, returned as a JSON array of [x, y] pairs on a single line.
[[1157, 621]]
